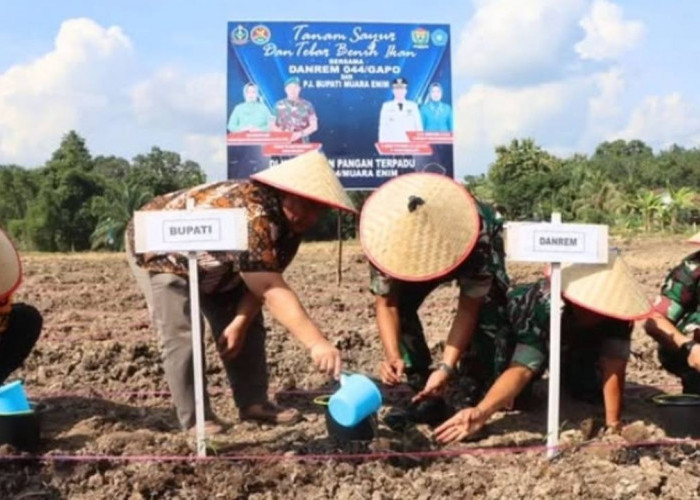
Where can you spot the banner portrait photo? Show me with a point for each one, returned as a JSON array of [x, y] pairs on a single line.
[[375, 98]]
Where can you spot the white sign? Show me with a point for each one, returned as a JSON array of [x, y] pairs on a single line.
[[545, 242], [191, 230]]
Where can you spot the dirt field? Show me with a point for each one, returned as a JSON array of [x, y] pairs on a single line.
[[97, 368]]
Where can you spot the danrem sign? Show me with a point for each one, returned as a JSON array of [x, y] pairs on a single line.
[[178, 230], [544, 242]]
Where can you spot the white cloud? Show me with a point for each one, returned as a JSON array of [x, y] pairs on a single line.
[[209, 151], [75, 85], [608, 34], [173, 100], [662, 121], [520, 41]]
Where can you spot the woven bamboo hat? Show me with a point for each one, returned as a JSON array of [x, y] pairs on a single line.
[[608, 289], [10, 267], [695, 239], [310, 176], [419, 226]]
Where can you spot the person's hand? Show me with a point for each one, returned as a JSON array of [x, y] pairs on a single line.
[[295, 136], [464, 423], [326, 358], [231, 341], [433, 387], [391, 371], [694, 357]]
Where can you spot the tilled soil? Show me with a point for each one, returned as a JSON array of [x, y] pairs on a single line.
[[112, 432]]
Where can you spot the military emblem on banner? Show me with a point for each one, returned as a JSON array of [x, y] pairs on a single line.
[[420, 37], [439, 37], [239, 35], [260, 34]]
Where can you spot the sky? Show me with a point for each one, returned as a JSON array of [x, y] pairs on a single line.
[[129, 74]]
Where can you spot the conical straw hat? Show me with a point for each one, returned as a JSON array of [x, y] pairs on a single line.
[[10, 267], [608, 289], [694, 239], [310, 176], [419, 226]]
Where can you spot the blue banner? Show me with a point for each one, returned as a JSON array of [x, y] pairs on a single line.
[[375, 98]]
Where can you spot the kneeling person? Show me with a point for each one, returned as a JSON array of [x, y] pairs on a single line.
[[676, 322], [20, 324], [601, 303]]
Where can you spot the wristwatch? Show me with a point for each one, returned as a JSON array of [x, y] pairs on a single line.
[[446, 368], [686, 347]]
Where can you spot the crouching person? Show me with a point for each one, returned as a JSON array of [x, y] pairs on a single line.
[[20, 324], [601, 303], [675, 324], [281, 203]]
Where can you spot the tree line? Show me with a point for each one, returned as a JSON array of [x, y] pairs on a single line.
[[623, 184], [77, 202]]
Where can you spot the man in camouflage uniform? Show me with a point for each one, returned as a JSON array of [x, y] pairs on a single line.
[[676, 324], [294, 114], [479, 323], [595, 350]]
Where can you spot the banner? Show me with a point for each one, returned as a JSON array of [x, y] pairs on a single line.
[[375, 98]]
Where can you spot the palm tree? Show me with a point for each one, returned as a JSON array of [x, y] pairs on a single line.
[[681, 200], [648, 205], [114, 209]]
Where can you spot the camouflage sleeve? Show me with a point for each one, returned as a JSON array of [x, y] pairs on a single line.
[[487, 260], [379, 283], [678, 291], [528, 314]]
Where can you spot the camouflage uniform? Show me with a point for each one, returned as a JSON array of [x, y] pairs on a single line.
[[679, 302], [529, 314], [294, 116], [482, 274]]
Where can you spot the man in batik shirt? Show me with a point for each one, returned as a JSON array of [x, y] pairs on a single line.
[[281, 203], [676, 324], [596, 331], [441, 220], [294, 114]]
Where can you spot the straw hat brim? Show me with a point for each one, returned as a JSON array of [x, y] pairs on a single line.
[[606, 289], [309, 176], [429, 245], [11, 274], [695, 239]]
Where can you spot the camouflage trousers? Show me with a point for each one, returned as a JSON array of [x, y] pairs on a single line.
[[486, 356]]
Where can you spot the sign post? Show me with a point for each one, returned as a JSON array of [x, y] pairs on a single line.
[[556, 243], [192, 231]]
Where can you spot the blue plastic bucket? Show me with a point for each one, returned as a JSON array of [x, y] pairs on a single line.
[[357, 398], [13, 398]]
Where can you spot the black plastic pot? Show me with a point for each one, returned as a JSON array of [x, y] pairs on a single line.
[[22, 430], [363, 431], [679, 414]]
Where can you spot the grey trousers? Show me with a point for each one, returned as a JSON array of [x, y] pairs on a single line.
[[167, 296]]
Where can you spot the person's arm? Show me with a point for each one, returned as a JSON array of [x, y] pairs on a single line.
[[381, 135], [284, 305], [234, 122], [313, 126], [661, 329], [613, 385], [461, 333], [470, 420], [389, 325], [233, 337], [417, 122]]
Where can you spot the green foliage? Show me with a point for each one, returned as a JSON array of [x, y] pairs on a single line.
[[75, 202]]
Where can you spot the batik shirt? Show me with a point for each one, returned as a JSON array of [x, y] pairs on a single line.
[[529, 313], [271, 243], [679, 300], [294, 116]]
